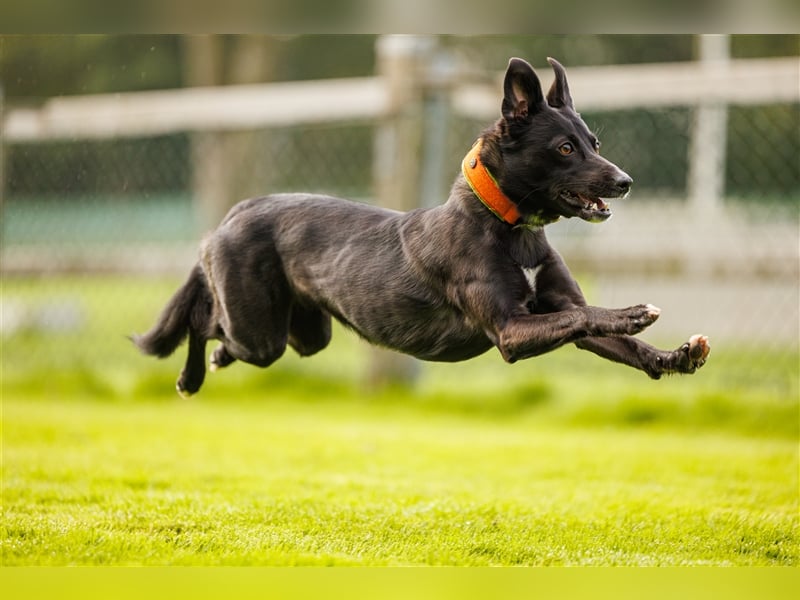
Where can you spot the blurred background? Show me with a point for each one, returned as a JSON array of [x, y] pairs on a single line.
[[120, 152]]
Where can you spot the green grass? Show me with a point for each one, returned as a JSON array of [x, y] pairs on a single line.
[[285, 483], [563, 460]]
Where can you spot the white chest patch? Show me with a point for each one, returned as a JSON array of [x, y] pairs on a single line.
[[530, 276]]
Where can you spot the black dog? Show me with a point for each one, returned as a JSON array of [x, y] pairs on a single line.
[[441, 284]]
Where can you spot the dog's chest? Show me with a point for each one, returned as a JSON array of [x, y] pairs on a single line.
[[531, 273]]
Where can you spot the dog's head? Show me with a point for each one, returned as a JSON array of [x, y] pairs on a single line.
[[549, 162]]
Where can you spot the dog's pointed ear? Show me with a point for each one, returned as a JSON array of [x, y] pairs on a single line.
[[559, 96], [522, 92]]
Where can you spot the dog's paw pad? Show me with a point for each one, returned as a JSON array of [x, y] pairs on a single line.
[[693, 354], [635, 319], [698, 349], [647, 314], [653, 312]]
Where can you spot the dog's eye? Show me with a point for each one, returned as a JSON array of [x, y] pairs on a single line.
[[566, 149], [597, 145]]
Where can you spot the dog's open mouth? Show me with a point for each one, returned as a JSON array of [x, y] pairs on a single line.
[[585, 207]]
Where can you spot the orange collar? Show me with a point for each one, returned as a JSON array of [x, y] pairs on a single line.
[[486, 188]]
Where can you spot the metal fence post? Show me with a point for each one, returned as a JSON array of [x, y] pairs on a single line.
[[706, 185]]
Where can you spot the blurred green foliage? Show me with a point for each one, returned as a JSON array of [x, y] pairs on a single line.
[[91, 357], [39, 66]]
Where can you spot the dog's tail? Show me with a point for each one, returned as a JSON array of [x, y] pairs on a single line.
[[180, 313]]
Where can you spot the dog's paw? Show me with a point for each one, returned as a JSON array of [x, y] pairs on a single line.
[[189, 382], [181, 389], [640, 318], [652, 313], [698, 349], [219, 358], [693, 354]]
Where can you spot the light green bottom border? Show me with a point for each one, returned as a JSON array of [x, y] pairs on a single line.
[[243, 583]]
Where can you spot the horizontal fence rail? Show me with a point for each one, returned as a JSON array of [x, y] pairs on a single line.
[[238, 107], [741, 82]]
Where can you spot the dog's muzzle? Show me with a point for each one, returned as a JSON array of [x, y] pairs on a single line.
[[595, 207]]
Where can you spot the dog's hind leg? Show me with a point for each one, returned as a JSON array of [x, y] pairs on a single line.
[[309, 329], [257, 336], [309, 332], [194, 372], [253, 313]]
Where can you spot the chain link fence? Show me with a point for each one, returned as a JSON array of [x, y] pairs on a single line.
[[86, 224]]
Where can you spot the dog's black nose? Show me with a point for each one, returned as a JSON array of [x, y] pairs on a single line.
[[624, 183]]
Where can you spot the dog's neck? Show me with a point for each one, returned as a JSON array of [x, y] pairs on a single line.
[[485, 187], [487, 190]]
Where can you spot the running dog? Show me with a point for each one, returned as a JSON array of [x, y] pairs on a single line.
[[441, 284]]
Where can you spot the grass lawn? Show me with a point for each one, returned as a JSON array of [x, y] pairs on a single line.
[[288, 483], [563, 460]]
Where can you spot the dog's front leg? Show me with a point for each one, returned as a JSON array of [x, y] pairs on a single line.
[[526, 335], [638, 354]]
